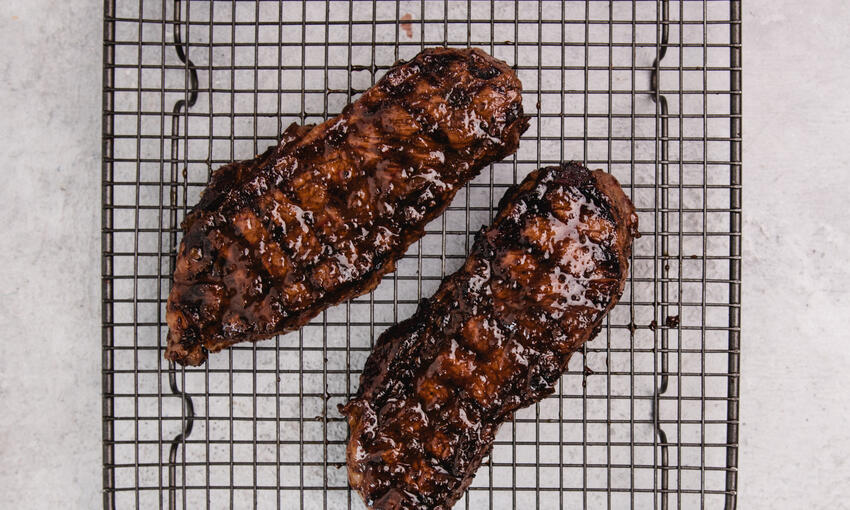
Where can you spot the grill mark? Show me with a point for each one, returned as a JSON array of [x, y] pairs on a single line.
[[276, 231], [269, 256]]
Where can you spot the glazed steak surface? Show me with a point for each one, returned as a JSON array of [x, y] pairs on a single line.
[[495, 337], [324, 215]]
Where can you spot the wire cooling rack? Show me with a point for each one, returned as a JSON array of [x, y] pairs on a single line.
[[650, 91]]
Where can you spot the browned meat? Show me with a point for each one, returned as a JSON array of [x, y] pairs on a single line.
[[495, 337], [320, 218]]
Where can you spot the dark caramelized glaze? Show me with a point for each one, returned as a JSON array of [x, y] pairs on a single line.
[[495, 337], [324, 215]]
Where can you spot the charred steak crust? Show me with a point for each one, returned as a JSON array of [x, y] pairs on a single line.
[[320, 218], [495, 337]]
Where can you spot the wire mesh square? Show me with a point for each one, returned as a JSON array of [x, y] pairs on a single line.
[[645, 417]]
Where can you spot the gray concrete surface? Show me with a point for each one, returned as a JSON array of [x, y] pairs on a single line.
[[796, 385], [795, 443], [50, 221]]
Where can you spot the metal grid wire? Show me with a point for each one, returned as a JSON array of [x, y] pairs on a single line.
[[646, 417]]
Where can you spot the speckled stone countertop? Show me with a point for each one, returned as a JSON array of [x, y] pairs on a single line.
[[795, 380]]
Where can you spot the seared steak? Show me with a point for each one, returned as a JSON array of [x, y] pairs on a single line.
[[495, 337], [320, 218]]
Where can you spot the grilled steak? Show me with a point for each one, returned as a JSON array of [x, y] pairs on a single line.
[[320, 218], [495, 337]]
